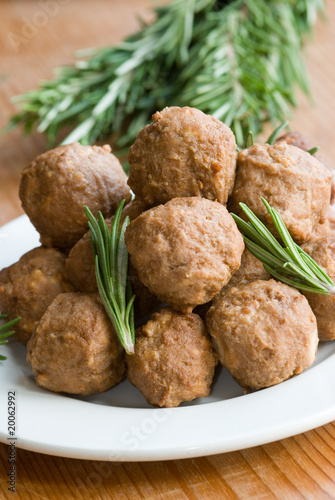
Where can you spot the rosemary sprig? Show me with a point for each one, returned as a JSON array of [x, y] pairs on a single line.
[[5, 331], [239, 60], [111, 265], [288, 263]]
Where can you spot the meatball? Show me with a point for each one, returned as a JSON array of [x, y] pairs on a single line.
[[174, 360], [327, 228], [80, 262], [251, 269], [265, 332], [291, 180], [299, 140], [57, 185], [30, 285], [185, 251], [183, 152], [145, 301], [74, 347], [323, 306]]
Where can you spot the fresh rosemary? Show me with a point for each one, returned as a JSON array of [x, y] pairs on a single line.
[[289, 264], [111, 269], [238, 60], [5, 331]]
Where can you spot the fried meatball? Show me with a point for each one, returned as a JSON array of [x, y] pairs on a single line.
[[265, 332], [74, 347], [185, 251], [297, 139], [80, 262], [174, 360], [327, 228], [301, 141], [291, 180], [251, 269], [30, 285], [183, 152], [323, 306], [57, 185], [145, 301]]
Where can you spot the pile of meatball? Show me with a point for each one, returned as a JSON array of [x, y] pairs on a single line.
[[208, 299]]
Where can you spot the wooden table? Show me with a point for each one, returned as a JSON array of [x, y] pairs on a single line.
[[299, 467]]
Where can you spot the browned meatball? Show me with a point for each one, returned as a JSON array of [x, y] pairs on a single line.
[[174, 360], [58, 184], [265, 332], [297, 139], [185, 251], [291, 180], [251, 269], [80, 262], [301, 141], [327, 228], [74, 348], [183, 152], [145, 301], [323, 306], [30, 285]]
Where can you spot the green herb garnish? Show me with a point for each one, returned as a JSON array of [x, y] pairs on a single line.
[[314, 150], [273, 137], [238, 60], [111, 269], [5, 331], [289, 264]]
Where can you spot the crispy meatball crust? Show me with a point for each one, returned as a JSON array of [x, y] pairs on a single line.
[[183, 152], [323, 306], [30, 285], [174, 360], [185, 251], [265, 332], [57, 185], [291, 180], [74, 348], [80, 262]]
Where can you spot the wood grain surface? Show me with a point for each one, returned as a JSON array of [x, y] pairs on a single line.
[[299, 467]]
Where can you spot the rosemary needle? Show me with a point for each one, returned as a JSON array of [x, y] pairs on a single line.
[[288, 263], [111, 266], [5, 331]]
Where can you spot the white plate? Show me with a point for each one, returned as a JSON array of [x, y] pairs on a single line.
[[119, 426]]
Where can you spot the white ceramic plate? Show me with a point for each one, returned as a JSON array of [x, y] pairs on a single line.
[[119, 425]]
